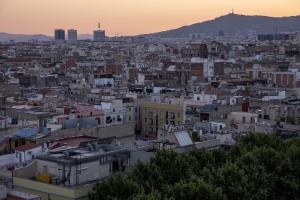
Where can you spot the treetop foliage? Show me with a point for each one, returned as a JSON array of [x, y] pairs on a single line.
[[258, 167]]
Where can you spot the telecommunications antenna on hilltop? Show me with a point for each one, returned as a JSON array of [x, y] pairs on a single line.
[[232, 11], [99, 26]]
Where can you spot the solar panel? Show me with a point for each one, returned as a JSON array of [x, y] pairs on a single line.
[[183, 138]]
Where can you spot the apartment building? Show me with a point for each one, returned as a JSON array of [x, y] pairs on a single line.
[[70, 174], [154, 115]]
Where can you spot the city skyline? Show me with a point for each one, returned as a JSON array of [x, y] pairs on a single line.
[[131, 17]]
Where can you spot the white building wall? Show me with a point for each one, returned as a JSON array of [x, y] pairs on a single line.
[[225, 137], [79, 174], [2, 123], [141, 79], [208, 69], [7, 159], [89, 172], [205, 98], [37, 97], [237, 117], [104, 81], [21, 156], [50, 168], [217, 126]]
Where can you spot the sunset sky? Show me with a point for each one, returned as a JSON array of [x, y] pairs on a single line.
[[127, 17]]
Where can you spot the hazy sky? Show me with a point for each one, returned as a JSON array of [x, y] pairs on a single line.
[[127, 17]]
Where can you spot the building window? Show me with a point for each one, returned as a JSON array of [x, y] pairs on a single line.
[[98, 120], [103, 160], [129, 118], [244, 119], [172, 115], [108, 119], [150, 121], [119, 118], [45, 169], [14, 121], [150, 130], [145, 119]]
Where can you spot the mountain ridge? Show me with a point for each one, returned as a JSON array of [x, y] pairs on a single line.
[[231, 24], [235, 24]]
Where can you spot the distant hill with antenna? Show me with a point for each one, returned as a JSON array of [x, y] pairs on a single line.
[[234, 24], [231, 24]]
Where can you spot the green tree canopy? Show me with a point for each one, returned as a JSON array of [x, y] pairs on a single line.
[[258, 167]]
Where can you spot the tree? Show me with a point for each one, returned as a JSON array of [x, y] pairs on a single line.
[[117, 187], [258, 167], [196, 188], [233, 181]]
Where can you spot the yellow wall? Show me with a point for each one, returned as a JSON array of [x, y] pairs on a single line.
[[160, 109], [48, 191]]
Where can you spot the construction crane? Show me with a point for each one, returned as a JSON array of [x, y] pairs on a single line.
[[117, 34], [276, 30]]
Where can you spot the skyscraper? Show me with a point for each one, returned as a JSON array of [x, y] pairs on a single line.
[[59, 34], [72, 34], [99, 35]]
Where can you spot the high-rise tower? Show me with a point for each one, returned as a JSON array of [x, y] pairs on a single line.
[[72, 34], [59, 34], [99, 35]]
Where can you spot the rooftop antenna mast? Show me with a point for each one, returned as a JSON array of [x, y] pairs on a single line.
[[99, 26], [232, 11]]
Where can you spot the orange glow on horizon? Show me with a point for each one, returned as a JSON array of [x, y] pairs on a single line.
[[127, 17]]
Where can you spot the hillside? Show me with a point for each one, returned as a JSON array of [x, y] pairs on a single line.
[[22, 37], [233, 24], [40, 37]]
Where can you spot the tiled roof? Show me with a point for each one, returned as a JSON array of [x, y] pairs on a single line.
[[27, 147]]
